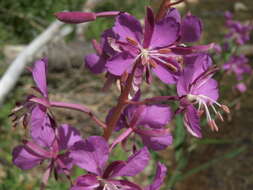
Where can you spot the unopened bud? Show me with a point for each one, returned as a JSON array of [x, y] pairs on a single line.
[[75, 17]]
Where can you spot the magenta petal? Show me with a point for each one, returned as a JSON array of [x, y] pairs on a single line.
[[209, 89], [155, 116], [25, 158], [155, 139], [86, 182], [39, 73], [91, 154], [41, 128], [174, 13], [125, 185], [127, 26], [134, 164], [64, 163], [191, 29], [75, 17], [105, 41], [182, 87], [120, 63], [201, 61], [191, 121], [94, 63], [149, 27], [160, 175], [166, 32], [196, 65], [164, 74], [67, 136]]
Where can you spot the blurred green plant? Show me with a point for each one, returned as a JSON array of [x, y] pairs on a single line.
[[23, 20]]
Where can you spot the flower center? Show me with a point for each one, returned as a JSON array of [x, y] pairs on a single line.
[[144, 53], [109, 186]]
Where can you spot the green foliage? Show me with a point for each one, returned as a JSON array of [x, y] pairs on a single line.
[[22, 20]]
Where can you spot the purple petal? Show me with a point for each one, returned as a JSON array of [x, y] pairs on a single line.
[[166, 32], [94, 63], [24, 158], [198, 60], [149, 27], [41, 127], [105, 39], [125, 185], [156, 139], [182, 86], [191, 121], [121, 122], [91, 154], [174, 13], [209, 89], [160, 175], [196, 64], [156, 116], [164, 74], [67, 136], [127, 26], [64, 163], [86, 182], [39, 73], [120, 63], [191, 29], [134, 164]]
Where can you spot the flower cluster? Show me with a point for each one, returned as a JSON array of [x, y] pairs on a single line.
[[129, 54], [237, 64], [238, 31]]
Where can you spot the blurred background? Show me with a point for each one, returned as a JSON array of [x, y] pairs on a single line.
[[219, 161]]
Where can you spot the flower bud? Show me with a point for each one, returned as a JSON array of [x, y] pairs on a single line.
[[75, 17]]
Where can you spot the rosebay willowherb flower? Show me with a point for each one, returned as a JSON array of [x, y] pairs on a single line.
[[24, 110], [238, 65], [127, 53], [196, 87], [158, 46], [47, 144], [148, 122], [238, 31], [93, 154]]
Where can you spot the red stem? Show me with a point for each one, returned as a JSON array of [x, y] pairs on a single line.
[[155, 99], [165, 5], [122, 102], [81, 108], [162, 10]]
